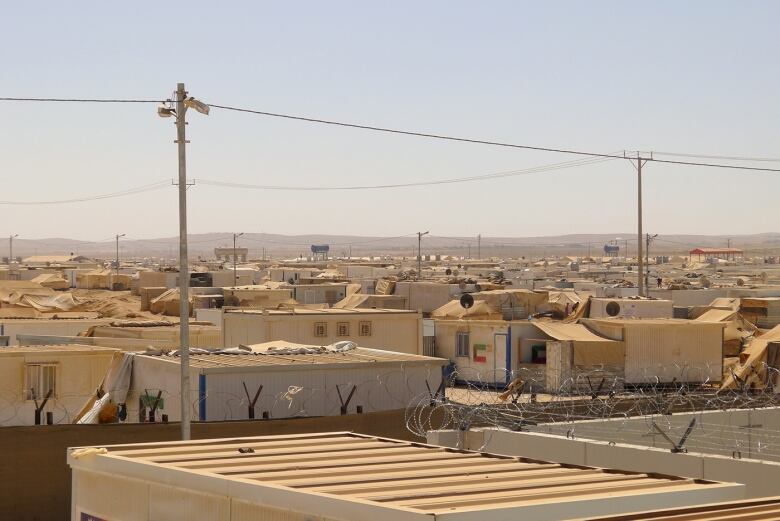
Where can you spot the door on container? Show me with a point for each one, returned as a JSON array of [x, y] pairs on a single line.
[[501, 369]]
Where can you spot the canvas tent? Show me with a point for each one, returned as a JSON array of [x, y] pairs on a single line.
[[481, 310], [51, 280], [738, 329]]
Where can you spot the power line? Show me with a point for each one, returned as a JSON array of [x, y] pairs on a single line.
[[731, 158], [425, 134], [129, 191], [485, 177], [84, 100], [481, 141]]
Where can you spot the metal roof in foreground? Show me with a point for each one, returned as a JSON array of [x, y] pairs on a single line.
[[351, 476]]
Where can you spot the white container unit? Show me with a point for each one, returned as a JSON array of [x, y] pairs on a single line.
[[342, 476]]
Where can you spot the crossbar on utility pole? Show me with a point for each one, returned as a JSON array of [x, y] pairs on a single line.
[[184, 279]]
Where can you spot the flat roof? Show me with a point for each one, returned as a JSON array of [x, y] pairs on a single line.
[[55, 348], [320, 311], [258, 358], [648, 321], [345, 475]]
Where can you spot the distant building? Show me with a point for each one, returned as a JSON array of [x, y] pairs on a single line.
[[231, 254], [717, 253], [393, 330], [320, 251]]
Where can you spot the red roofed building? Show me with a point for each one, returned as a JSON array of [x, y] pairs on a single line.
[[719, 253]]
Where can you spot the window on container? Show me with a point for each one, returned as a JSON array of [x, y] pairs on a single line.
[[342, 329], [365, 328], [40, 379], [320, 329], [462, 344]]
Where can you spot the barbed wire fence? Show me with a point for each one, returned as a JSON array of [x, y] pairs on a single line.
[[669, 407]]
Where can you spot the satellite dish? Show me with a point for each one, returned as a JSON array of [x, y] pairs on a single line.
[[613, 309], [291, 280], [448, 271], [466, 300]]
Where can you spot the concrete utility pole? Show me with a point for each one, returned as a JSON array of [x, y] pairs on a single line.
[[184, 269], [182, 103], [640, 235], [11, 248], [117, 251], [419, 252], [235, 276]]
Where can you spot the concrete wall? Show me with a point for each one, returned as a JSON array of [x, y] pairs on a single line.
[[36, 478]]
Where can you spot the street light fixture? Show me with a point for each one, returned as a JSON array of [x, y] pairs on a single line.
[[183, 102]]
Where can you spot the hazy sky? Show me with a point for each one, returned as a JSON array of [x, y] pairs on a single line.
[[699, 77]]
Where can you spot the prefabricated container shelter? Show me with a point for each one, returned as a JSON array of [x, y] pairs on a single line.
[[495, 352], [666, 350], [343, 476], [317, 382], [393, 329], [67, 374]]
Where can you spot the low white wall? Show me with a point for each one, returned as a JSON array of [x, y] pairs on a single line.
[[759, 477]]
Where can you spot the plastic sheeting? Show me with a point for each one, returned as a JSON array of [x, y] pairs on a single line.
[[114, 387]]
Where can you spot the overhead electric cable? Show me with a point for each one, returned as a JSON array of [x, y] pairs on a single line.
[[481, 141], [130, 191]]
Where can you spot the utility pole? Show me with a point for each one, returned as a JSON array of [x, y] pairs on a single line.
[[235, 276], [419, 252], [184, 269], [11, 248], [479, 246], [117, 251], [648, 239], [640, 236], [179, 110]]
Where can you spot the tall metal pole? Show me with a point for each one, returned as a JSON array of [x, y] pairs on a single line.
[[479, 246], [235, 277], [117, 252], [640, 235], [419, 253], [184, 270], [11, 249]]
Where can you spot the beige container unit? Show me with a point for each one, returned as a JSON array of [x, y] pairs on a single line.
[[361, 380], [29, 373], [667, 350], [351, 477], [393, 330], [631, 308]]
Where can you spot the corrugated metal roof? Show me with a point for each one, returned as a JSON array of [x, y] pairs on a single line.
[[359, 355], [390, 473], [748, 510]]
